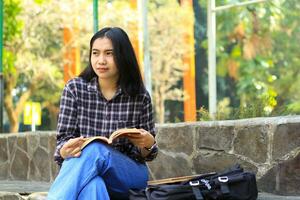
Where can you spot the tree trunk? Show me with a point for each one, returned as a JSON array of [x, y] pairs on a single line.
[[12, 115], [161, 111], [14, 112], [53, 111], [161, 106]]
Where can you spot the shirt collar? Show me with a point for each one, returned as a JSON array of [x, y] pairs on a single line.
[[93, 86]]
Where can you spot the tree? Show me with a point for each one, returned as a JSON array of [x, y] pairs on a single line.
[[33, 55], [167, 45], [257, 63], [167, 49], [12, 32]]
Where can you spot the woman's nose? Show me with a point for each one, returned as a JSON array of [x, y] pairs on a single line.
[[101, 59]]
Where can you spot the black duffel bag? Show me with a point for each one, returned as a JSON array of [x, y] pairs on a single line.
[[232, 184]]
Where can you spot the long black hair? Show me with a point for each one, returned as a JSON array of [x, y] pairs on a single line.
[[130, 79]]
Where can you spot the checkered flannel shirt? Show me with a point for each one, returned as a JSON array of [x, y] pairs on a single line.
[[85, 112]]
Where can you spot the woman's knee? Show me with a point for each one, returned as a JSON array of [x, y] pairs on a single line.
[[96, 147], [93, 152]]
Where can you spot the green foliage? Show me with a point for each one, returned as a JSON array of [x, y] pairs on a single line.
[[12, 24], [258, 53], [203, 114], [294, 108], [12, 29], [8, 62], [31, 56], [40, 1], [225, 112]]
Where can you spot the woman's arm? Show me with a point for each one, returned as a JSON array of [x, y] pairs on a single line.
[[147, 127], [67, 122], [145, 141]]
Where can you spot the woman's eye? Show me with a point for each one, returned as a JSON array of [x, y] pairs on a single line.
[[95, 53], [109, 53]]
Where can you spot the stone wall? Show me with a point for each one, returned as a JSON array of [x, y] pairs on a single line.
[[27, 156], [270, 147]]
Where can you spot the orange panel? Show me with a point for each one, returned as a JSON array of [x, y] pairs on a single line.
[[133, 4], [189, 75], [134, 30], [71, 55]]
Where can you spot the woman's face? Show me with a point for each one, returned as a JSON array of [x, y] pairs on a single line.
[[102, 60]]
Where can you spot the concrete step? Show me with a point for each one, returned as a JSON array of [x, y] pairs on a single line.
[[43, 195], [25, 190], [266, 196], [261, 196], [24, 187]]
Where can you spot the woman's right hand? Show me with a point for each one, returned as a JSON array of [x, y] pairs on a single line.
[[72, 148]]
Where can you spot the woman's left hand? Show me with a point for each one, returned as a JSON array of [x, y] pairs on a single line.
[[145, 139]]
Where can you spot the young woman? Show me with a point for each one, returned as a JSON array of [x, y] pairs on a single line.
[[108, 95]]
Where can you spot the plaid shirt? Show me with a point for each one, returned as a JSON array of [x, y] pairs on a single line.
[[85, 112]]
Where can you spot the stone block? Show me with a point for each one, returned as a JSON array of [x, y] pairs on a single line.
[[211, 161], [289, 176], [33, 141], [284, 178], [12, 143], [54, 170], [52, 143], [286, 138], [34, 172], [267, 182], [20, 165], [21, 142], [44, 140], [4, 173], [3, 150], [42, 162], [54, 166], [217, 137], [167, 166], [179, 139], [252, 142]]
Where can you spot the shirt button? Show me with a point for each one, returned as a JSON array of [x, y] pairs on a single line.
[[107, 117]]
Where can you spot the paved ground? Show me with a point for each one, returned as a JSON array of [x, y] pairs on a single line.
[[11, 190], [265, 196], [24, 187]]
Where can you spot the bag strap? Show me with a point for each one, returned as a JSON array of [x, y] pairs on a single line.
[[148, 193], [197, 193], [196, 190], [223, 180]]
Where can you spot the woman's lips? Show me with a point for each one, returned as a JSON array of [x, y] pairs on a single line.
[[102, 70]]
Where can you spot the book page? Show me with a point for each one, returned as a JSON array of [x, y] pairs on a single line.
[[90, 139], [114, 135], [123, 132]]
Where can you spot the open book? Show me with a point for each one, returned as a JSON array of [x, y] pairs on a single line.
[[118, 133]]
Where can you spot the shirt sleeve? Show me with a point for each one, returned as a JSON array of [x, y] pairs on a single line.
[[147, 123], [67, 122]]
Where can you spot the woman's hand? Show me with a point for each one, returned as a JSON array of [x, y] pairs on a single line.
[[142, 140], [72, 148]]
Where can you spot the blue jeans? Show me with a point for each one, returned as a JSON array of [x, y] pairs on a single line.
[[101, 172]]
